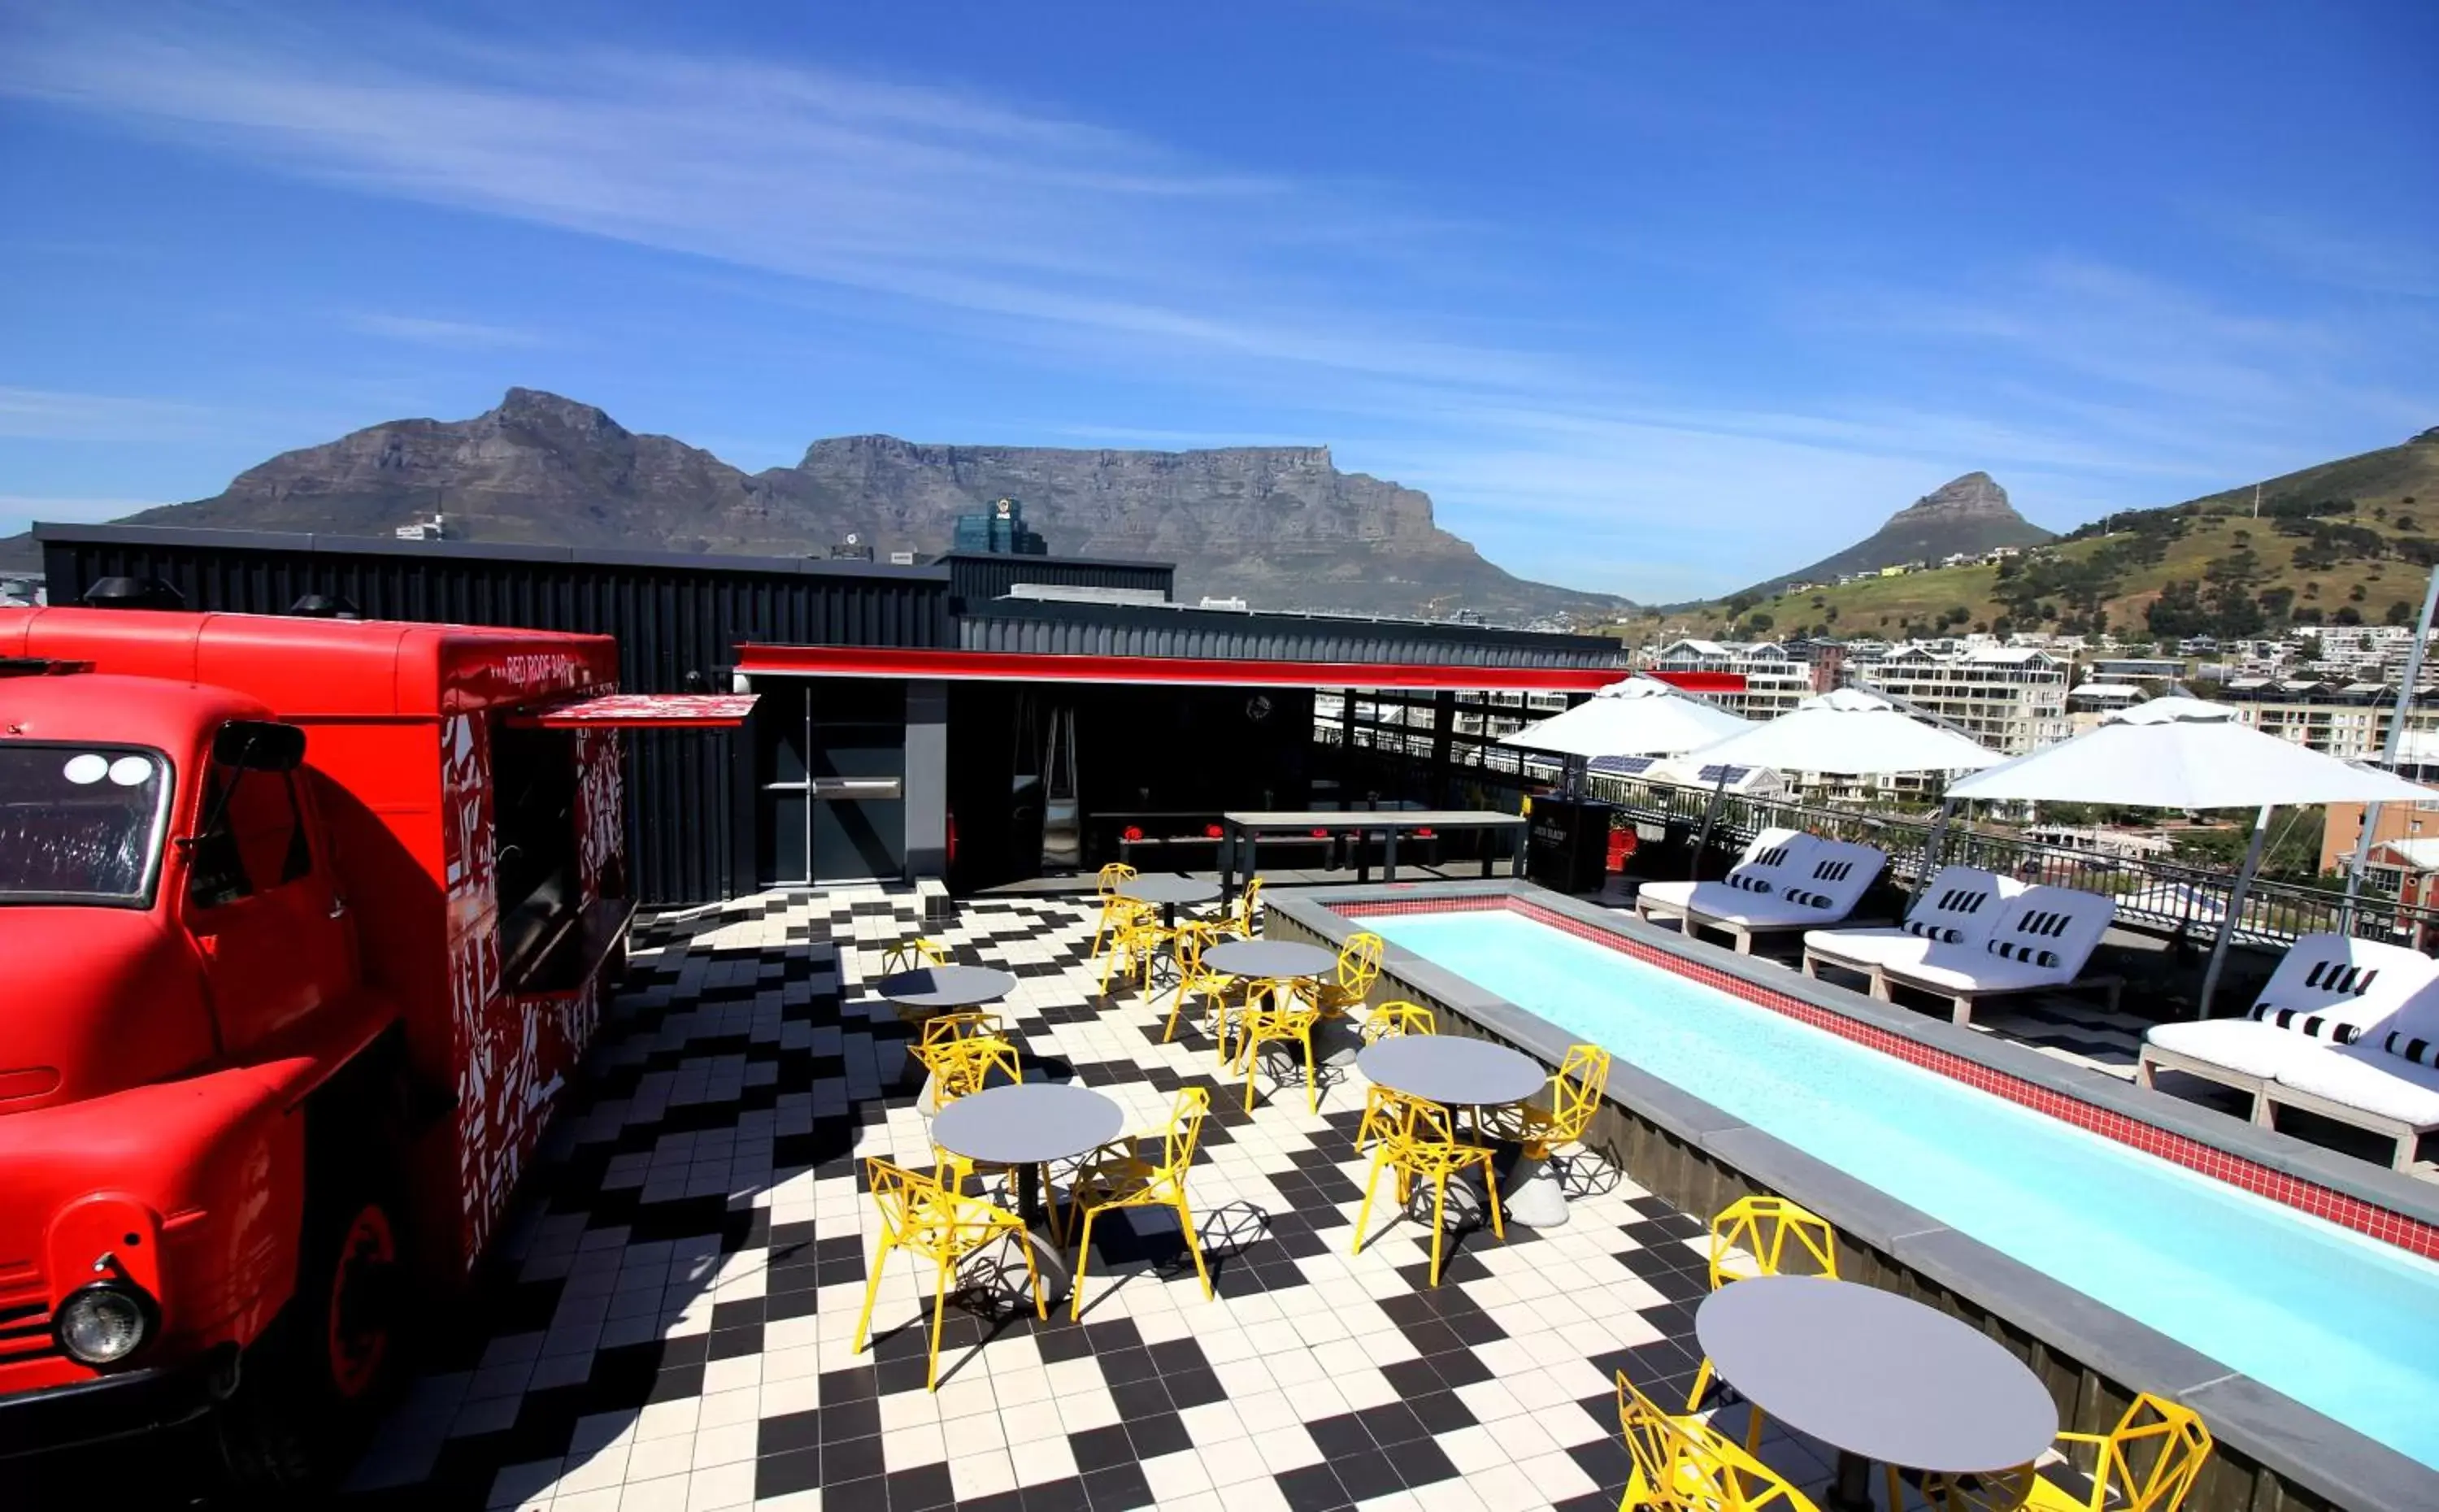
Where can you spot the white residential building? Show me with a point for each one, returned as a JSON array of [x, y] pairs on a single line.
[[2348, 721], [1775, 679], [2011, 700]]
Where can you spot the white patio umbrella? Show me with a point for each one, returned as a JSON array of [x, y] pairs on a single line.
[[1846, 731], [1850, 733], [2183, 753], [1639, 716]]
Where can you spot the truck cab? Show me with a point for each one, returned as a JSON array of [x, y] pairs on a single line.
[[303, 926], [174, 923]]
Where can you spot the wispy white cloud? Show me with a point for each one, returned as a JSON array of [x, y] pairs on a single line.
[[425, 330], [49, 415], [1549, 439]]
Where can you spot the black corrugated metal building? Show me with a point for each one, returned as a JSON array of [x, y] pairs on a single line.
[[896, 703]]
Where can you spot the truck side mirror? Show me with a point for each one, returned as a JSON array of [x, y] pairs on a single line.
[[258, 745]]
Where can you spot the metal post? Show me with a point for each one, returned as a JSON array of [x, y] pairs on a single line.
[[2235, 906], [2388, 753], [1710, 817], [1938, 841]]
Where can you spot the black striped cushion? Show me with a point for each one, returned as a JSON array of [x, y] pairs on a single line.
[[2016, 950], [1749, 882], [2426, 1052], [1932, 930], [2341, 976], [2307, 1023]]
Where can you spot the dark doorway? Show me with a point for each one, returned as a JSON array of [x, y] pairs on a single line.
[[830, 758]]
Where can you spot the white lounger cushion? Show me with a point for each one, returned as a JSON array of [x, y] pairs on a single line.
[[1959, 905], [1866, 948], [1962, 970], [2043, 938], [2336, 988], [1774, 858], [2368, 1077], [2246, 1046], [1719, 900]]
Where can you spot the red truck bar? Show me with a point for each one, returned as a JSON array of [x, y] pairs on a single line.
[[1026, 666]]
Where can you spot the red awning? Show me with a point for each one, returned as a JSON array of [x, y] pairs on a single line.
[[1028, 667], [641, 711]]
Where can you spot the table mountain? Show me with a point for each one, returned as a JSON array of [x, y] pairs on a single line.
[[1282, 526], [1969, 514]]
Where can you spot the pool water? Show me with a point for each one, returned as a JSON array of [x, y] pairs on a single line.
[[2339, 1322]]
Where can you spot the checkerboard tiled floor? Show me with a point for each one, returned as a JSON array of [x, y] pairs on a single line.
[[675, 1332]]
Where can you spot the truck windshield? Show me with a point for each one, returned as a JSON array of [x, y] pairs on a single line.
[[80, 824]]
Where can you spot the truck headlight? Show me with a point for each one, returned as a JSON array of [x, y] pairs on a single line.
[[103, 1323]]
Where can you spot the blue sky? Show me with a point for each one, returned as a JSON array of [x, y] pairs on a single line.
[[1655, 299]]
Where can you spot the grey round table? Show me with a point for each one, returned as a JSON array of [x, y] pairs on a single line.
[[946, 986], [1452, 1070], [1875, 1377], [1027, 1127], [1269, 960], [1169, 892]]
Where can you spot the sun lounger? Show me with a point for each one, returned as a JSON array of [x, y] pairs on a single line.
[[2386, 1081], [2044, 937], [1833, 878], [2329, 992], [1774, 860], [1959, 905]]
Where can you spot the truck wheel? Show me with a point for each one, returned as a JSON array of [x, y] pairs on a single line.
[[309, 1387]]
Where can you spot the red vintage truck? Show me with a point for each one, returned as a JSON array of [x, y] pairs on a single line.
[[303, 925]]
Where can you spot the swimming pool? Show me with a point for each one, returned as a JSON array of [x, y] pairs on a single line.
[[2341, 1322]]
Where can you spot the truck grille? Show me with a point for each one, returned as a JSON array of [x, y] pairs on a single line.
[[25, 1315]]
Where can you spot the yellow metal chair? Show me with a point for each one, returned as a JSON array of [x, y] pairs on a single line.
[[961, 1050], [2147, 1462], [1358, 967], [1112, 904], [905, 956], [1682, 1464], [1136, 936], [1246, 921], [1381, 1023], [1120, 1175], [1764, 1235], [1574, 1096], [1420, 1142], [920, 1216], [1275, 1013], [1194, 978]]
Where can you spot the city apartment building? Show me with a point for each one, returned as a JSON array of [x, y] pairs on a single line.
[[1776, 679], [2348, 721], [2010, 699]]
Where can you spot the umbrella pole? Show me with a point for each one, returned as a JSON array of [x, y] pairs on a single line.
[[1938, 841], [1710, 817], [2235, 906]]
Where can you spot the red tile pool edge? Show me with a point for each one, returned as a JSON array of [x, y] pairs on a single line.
[[2381, 1223]]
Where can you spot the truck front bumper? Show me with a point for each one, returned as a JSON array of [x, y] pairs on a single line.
[[133, 1401]]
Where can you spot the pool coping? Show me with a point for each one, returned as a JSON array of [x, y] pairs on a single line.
[[2294, 1442]]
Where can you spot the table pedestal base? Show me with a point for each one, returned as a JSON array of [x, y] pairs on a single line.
[[1852, 1490], [1055, 1277], [1530, 1194]]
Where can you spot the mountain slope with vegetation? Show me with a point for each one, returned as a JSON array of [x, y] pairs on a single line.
[[2350, 542], [1966, 516]]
